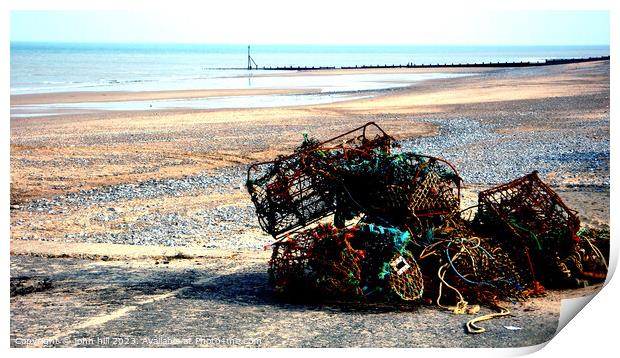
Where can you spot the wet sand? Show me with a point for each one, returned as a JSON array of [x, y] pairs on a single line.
[[122, 96]]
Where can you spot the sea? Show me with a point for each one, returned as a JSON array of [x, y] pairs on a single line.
[[76, 67]]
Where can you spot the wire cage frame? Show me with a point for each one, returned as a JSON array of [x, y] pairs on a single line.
[[538, 228], [529, 209], [359, 263], [288, 194]]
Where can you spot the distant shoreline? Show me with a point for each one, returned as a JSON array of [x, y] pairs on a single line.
[[63, 67], [84, 102], [546, 62]]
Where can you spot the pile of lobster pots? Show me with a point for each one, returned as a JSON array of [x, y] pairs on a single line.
[[355, 221]]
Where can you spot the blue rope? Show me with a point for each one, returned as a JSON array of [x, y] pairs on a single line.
[[509, 282], [461, 276]]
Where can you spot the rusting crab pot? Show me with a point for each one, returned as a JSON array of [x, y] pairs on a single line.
[[533, 215], [287, 192], [358, 263]]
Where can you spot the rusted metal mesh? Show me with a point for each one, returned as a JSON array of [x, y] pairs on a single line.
[[290, 262], [290, 192], [533, 224], [286, 197], [364, 262]]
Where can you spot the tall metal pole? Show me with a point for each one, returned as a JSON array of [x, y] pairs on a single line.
[[251, 60]]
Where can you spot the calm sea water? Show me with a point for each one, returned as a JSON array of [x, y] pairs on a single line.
[[47, 67]]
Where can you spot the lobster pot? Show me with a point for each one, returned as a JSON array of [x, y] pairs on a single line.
[[533, 222], [287, 196], [365, 262], [289, 264], [317, 262], [294, 191]]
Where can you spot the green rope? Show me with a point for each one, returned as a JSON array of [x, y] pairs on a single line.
[[513, 221]]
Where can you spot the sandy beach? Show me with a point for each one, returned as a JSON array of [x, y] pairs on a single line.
[[155, 200], [116, 96]]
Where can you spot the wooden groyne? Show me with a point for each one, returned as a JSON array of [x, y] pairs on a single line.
[[438, 65]]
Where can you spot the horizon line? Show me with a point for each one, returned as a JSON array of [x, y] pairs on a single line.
[[292, 44]]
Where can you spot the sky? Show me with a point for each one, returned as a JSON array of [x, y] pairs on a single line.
[[235, 23]]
